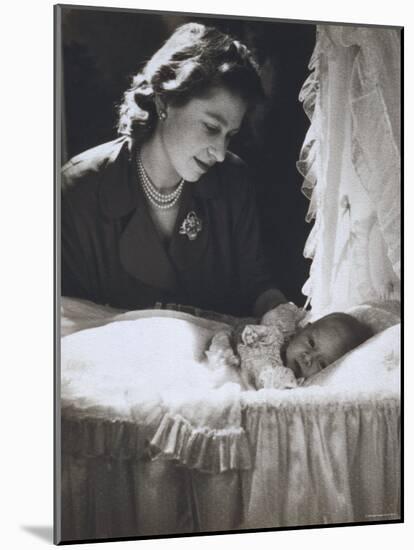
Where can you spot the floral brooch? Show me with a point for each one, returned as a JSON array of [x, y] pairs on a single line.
[[191, 226]]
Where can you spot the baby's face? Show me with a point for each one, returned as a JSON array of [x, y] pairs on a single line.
[[316, 346]]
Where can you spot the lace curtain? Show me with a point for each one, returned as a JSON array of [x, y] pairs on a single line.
[[351, 164]]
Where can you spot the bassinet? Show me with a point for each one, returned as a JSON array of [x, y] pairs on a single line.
[[325, 453]]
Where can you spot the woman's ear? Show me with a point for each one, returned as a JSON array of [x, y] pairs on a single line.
[[161, 107]]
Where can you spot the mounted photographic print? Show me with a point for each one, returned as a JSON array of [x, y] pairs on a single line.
[[228, 295]]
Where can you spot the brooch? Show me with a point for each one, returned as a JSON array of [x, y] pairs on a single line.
[[191, 226]]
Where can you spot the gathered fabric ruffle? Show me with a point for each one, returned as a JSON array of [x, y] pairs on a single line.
[[321, 459], [376, 112], [309, 153], [352, 99], [204, 449], [98, 432], [159, 430], [90, 437]]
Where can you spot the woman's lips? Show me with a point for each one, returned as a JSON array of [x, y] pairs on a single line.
[[202, 165]]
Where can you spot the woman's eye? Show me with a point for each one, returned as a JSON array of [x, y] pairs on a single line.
[[311, 342], [211, 129]]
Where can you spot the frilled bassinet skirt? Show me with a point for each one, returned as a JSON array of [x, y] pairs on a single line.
[[313, 463], [148, 448]]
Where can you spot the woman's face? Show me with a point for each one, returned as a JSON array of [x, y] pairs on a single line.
[[196, 136], [316, 346]]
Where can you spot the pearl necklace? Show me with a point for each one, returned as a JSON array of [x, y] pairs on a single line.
[[157, 199]]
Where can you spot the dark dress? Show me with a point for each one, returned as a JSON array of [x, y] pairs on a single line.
[[113, 254]]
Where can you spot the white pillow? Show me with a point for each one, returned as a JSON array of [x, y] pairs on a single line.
[[374, 365], [378, 316]]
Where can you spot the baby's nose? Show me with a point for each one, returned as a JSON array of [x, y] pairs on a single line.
[[306, 359]]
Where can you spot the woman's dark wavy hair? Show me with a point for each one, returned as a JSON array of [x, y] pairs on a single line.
[[193, 59]]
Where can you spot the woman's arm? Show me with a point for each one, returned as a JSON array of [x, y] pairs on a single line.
[[268, 300], [258, 285]]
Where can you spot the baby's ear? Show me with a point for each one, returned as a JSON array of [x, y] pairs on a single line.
[[300, 329]]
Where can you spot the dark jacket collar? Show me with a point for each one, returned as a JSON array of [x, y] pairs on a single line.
[[141, 250]]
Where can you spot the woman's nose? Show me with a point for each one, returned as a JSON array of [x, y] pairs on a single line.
[[218, 151]]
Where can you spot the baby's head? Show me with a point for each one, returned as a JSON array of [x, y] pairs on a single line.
[[319, 344]]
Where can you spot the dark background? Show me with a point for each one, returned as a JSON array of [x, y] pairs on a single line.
[[102, 49]]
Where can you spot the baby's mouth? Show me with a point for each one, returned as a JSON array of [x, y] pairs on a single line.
[[297, 368]]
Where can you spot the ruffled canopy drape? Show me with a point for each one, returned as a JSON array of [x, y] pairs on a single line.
[[351, 164]]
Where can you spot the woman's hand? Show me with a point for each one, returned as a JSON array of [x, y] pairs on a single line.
[[269, 299]]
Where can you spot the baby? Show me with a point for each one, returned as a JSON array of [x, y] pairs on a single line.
[[279, 353], [321, 343]]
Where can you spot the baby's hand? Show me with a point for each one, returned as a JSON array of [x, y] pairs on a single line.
[[220, 353], [252, 334], [259, 335]]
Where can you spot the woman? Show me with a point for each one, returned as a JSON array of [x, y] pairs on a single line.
[[165, 213]]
